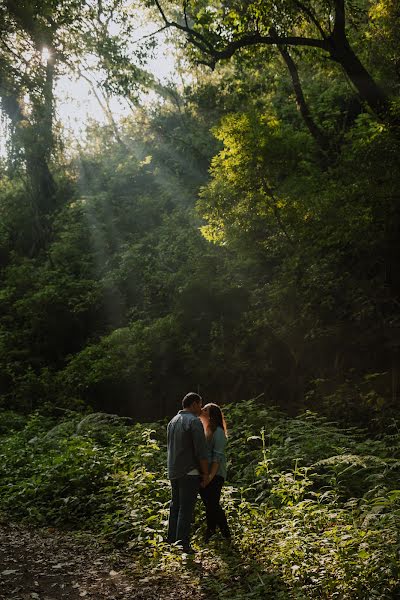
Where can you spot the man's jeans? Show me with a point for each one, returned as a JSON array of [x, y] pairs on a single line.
[[184, 494]]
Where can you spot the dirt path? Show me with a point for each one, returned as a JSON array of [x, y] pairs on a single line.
[[49, 565]]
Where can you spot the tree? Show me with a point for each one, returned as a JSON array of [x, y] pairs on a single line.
[[39, 41], [218, 30]]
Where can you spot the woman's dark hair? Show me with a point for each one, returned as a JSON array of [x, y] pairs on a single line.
[[190, 398], [217, 418]]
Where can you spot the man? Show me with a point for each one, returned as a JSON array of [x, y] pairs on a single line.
[[187, 468]]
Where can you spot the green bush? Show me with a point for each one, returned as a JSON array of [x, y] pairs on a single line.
[[10, 421], [314, 508]]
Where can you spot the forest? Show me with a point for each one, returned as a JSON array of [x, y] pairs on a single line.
[[233, 230]]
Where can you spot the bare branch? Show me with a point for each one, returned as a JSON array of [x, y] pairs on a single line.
[[150, 35], [104, 104]]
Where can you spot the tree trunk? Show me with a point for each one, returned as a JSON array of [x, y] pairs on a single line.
[[34, 136], [341, 51], [38, 153], [369, 91]]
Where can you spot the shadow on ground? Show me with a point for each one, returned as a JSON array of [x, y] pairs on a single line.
[[224, 572]]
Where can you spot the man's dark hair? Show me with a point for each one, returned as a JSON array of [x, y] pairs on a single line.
[[190, 398]]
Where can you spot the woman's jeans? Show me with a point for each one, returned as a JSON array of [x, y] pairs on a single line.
[[215, 514], [184, 495]]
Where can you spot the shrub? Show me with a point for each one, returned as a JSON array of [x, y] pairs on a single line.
[[314, 508]]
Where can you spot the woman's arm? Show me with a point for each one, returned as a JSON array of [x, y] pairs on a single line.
[[218, 451], [213, 470]]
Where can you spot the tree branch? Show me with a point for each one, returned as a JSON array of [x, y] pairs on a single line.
[[105, 106], [303, 107], [252, 40], [336, 45], [339, 27], [312, 17], [150, 35], [271, 200], [207, 47], [10, 102], [196, 38]]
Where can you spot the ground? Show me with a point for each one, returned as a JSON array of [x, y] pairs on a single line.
[[46, 564]]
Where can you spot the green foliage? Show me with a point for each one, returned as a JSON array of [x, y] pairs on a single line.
[[126, 303], [113, 297], [11, 421], [311, 232], [314, 508], [100, 482]]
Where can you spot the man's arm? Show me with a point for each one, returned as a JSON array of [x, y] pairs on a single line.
[[200, 448], [204, 472]]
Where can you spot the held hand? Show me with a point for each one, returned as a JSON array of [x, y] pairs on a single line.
[[205, 480]]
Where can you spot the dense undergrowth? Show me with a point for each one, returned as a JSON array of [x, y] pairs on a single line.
[[314, 508]]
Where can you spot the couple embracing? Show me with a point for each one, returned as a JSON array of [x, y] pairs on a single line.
[[196, 440]]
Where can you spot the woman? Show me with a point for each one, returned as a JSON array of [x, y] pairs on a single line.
[[215, 430]]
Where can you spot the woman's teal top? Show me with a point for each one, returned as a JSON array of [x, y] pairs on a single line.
[[216, 450]]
